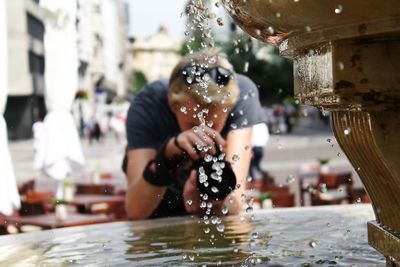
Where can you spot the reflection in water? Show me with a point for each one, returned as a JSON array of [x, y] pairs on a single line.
[[310, 237], [189, 242]]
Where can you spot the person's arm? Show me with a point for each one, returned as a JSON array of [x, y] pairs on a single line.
[[142, 198], [237, 142]]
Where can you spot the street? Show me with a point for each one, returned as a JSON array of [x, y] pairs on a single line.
[[282, 157]]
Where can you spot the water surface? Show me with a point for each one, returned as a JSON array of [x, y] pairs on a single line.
[[328, 236]]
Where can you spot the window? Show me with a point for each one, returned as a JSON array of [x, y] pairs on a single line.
[[35, 27]]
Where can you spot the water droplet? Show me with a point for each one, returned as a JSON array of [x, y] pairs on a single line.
[[234, 126], [312, 244], [358, 200], [206, 230], [208, 158], [191, 257], [189, 202], [278, 15], [214, 189], [341, 66], [237, 186], [291, 178], [214, 220], [225, 109], [189, 80], [308, 28], [249, 209], [338, 154], [254, 235], [347, 131], [271, 30], [235, 250], [249, 179], [220, 228], [203, 205], [235, 157], [339, 9], [224, 210], [246, 147], [183, 109], [329, 140], [184, 256], [220, 22]]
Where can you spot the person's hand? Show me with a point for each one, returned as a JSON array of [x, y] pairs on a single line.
[[191, 196], [190, 141]]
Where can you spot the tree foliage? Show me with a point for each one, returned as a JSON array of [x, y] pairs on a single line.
[[139, 80], [273, 77]]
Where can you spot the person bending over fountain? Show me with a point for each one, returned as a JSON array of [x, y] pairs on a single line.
[[187, 137]]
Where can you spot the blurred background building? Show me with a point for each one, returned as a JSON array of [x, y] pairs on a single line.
[[101, 26], [160, 47], [26, 67]]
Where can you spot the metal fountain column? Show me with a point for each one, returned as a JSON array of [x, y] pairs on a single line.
[[346, 58]]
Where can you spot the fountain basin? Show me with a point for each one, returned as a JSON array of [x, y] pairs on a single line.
[[288, 237], [302, 22]]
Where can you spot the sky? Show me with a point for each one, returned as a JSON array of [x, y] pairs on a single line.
[[146, 16]]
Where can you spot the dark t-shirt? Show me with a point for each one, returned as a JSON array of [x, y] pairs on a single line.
[[150, 121]]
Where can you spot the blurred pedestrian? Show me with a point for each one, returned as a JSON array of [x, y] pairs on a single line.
[[289, 112], [259, 140]]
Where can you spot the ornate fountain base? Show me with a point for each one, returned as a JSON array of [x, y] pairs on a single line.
[[346, 60], [385, 242], [360, 84]]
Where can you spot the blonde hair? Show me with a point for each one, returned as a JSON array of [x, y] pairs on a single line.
[[207, 93]]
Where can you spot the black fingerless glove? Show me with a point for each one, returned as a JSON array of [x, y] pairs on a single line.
[[165, 173]]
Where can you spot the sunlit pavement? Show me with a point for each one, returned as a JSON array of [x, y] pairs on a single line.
[[283, 155]]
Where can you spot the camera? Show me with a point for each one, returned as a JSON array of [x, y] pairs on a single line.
[[215, 178]]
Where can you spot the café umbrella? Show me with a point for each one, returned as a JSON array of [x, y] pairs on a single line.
[[9, 198], [62, 151]]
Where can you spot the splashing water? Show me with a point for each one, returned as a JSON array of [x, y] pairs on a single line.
[[291, 179], [339, 9], [347, 131]]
